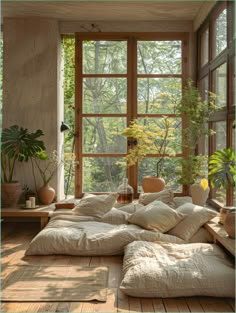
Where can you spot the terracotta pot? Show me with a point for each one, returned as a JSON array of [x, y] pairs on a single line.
[[46, 194], [10, 194], [199, 195], [153, 184], [229, 224]]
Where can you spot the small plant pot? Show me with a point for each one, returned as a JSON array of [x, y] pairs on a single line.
[[153, 184]]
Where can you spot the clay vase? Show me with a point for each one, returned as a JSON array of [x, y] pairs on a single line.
[[46, 194], [153, 184], [10, 194], [229, 224], [199, 195]]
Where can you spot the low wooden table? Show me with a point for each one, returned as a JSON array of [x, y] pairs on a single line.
[[43, 212], [220, 235]]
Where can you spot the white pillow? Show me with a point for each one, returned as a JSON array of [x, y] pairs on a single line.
[[196, 217], [164, 270], [202, 235], [115, 217], [165, 196], [156, 216], [95, 206], [131, 208], [178, 201]]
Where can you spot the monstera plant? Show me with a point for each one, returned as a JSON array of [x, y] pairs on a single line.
[[17, 145]]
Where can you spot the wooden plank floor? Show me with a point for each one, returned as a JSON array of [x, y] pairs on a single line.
[[15, 239]]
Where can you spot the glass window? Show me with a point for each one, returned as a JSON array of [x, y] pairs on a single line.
[[104, 95], [158, 95], [204, 47], [104, 57], [220, 85], [220, 136], [159, 57], [220, 31]]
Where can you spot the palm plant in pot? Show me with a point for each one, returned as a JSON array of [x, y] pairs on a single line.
[[222, 175], [17, 145], [151, 138]]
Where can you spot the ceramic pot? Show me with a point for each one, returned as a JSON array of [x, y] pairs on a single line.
[[199, 195], [229, 224], [10, 194], [46, 194], [153, 184]]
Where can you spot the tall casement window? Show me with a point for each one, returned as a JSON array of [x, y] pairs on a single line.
[[120, 77], [216, 53]]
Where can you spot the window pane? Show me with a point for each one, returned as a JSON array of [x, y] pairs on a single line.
[[102, 174], [103, 135], [104, 57], [158, 95], [220, 28], [104, 95], [173, 130], [159, 57], [220, 136], [203, 88], [205, 47], [220, 85], [171, 168]]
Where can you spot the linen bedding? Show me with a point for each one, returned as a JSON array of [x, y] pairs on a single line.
[[66, 234]]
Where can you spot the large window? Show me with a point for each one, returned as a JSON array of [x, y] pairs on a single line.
[[118, 78], [216, 73]]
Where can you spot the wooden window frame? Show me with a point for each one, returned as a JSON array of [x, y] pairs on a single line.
[[132, 39], [226, 56]]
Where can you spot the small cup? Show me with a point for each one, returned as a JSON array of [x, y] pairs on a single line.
[[28, 204], [32, 202]]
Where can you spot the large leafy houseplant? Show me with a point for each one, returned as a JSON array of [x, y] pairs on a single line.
[[17, 145], [222, 168]]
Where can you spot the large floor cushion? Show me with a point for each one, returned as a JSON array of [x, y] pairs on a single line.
[[172, 270]]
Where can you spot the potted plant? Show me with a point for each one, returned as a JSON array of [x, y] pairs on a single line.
[[17, 145], [222, 174], [197, 111], [151, 138], [47, 165]]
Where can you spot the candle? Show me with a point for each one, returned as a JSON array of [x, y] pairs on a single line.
[[32, 202], [28, 204]]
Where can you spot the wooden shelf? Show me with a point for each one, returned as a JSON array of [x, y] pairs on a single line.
[[220, 235]]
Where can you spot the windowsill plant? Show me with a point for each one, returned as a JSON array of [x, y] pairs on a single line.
[[150, 139]]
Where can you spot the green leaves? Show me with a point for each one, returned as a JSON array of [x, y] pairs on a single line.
[[18, 145], [222, 168]]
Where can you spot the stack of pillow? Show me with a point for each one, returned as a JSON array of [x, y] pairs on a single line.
[[154, 211]]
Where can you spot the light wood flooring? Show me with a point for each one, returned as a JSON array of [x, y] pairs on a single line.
[[15, 239]]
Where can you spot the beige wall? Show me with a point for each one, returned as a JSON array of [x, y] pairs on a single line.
[[31, 86]]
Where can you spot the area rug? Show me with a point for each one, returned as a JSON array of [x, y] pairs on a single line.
[[55, 283]]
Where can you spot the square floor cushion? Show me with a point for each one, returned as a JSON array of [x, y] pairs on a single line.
[[176, 270]]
